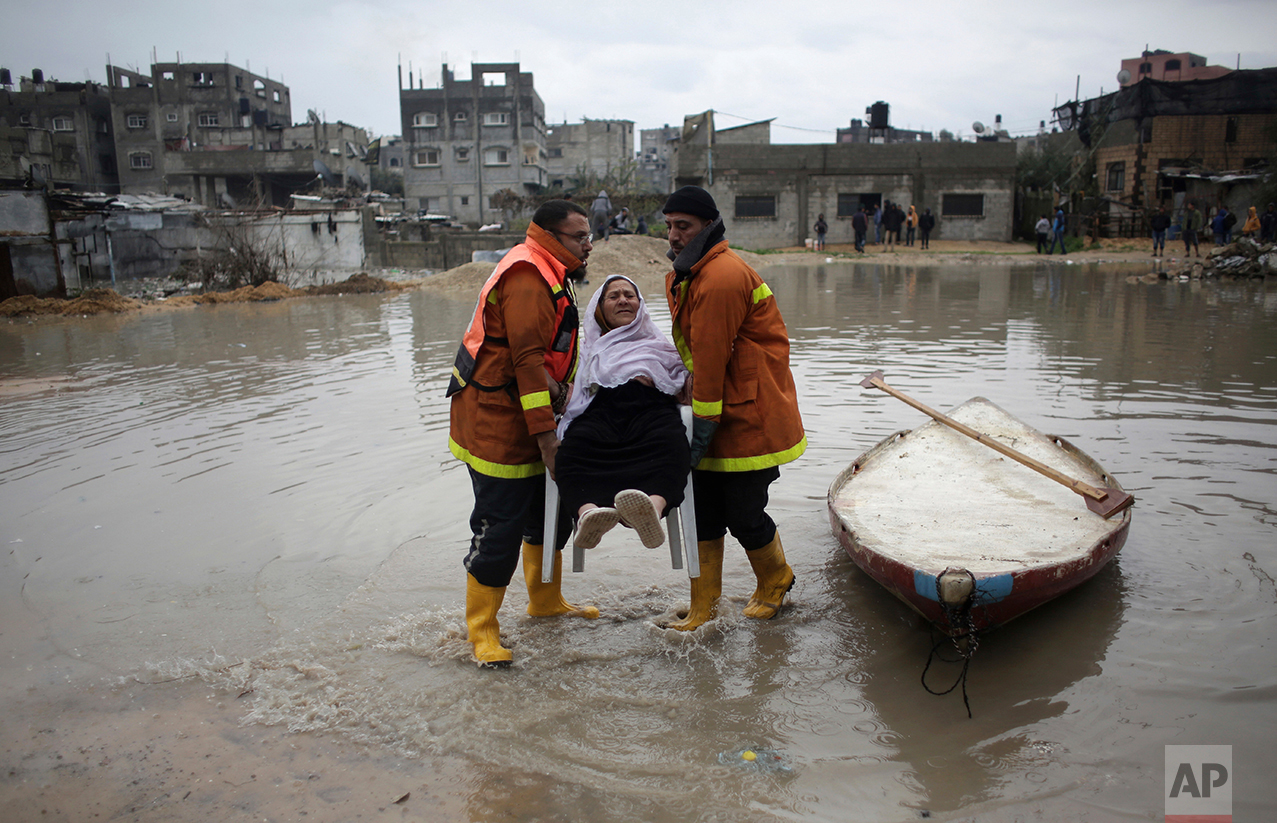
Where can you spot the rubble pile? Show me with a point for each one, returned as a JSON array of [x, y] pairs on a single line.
[[1244, 258]]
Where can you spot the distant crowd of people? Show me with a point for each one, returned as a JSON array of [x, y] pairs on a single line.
[[1263, 228], [888, 220]]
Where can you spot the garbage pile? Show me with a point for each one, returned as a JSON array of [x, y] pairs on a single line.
[[1244, 258]]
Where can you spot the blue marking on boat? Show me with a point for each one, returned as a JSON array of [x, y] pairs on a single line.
[[989, 589]]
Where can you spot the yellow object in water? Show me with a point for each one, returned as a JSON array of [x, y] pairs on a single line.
[[748, 755]]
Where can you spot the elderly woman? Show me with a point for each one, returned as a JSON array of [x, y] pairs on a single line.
[[624, 455]]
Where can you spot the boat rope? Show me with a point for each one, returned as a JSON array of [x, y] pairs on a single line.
[[964, 637]]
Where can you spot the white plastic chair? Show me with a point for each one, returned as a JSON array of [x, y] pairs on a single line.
[[678, 519]]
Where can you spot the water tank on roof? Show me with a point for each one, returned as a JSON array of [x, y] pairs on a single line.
[[878, 115], [37, 76]]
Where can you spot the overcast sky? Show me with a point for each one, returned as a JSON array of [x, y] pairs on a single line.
[[812, 66]]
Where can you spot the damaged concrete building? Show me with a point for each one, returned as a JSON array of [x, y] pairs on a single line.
[[770, 195], [219, 135], [1162, 142], [469, 140], [55, 133], [598, 148], [213, 133]]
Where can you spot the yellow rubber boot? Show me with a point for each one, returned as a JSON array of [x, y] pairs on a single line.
[[706, 589], [775, 579], [482, 604], [546, 599]]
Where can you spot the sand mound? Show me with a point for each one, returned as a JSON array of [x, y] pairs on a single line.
[[358, 284], [93, 301], [251, 294]]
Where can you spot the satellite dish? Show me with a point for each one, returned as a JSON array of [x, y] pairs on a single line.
[[321, 168], [1123, 77], [311, 117], [977, 127], [352, 176], [227, 200], [37, 177]]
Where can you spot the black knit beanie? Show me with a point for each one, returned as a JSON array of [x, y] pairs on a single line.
[[692, 200]]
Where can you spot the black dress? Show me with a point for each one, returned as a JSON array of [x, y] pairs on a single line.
[[629, 437]]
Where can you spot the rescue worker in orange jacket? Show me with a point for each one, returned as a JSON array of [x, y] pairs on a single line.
[[510, 377], [733, 340]]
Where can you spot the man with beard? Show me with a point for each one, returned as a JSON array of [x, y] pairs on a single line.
[[732, 338], [511, 376]]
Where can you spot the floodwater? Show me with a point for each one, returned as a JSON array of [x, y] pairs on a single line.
[[244, 519]]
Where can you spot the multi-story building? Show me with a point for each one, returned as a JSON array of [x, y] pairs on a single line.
[[208, 131], [470, 140], [600, 148], [57, 133], [1163, 65], [655, 151], [1161, 142]]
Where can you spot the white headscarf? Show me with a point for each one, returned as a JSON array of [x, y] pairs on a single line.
[[613, 359]]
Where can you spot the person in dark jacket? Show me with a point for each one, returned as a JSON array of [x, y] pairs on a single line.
[[1268, 224], [1159, 223], [926, 223], [860, 225], [892, 219]]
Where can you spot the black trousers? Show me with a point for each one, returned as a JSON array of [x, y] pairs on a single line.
[[735, 502], [506, 513]]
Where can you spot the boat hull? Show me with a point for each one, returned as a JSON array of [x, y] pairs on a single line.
[[1005, 586]]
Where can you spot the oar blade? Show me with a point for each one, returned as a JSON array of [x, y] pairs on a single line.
[[868, 382], [1113, 502]]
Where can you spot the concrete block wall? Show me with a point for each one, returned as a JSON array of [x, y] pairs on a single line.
[[806, 180]]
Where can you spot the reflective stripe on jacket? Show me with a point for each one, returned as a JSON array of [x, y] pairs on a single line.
[[524, 325], [732, 338]]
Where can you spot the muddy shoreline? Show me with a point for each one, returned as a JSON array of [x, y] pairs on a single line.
[[640, 258]]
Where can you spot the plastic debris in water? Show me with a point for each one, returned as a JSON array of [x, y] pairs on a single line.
[[757, 758]]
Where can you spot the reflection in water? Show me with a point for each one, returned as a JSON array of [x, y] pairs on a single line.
[[262, 496]]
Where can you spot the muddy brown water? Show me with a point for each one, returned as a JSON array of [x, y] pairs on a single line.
[[231, 575]]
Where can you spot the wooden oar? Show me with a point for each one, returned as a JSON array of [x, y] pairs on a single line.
[[1103, 501]]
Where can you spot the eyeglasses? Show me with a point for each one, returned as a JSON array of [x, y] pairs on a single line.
[[581, 239]]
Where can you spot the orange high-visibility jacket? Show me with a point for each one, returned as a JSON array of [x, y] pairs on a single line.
[[505, 400], [732, 338]]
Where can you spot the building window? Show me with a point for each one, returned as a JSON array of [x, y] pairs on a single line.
[[201, 78], [1116, 177], [496, 157], [428, 157], [24, 120], [756, 206], [1172, 65], [168, 75], [465, 201], [136, 121], [463, 155], [208, 119], [556, 152], [63, 123], [276, 95], [140, 160], [849, 204], [459, 117], [171, 117], [496, 118], [425, 120], [394, 161], [962, 205], [1230, 130], [1146, 68]]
